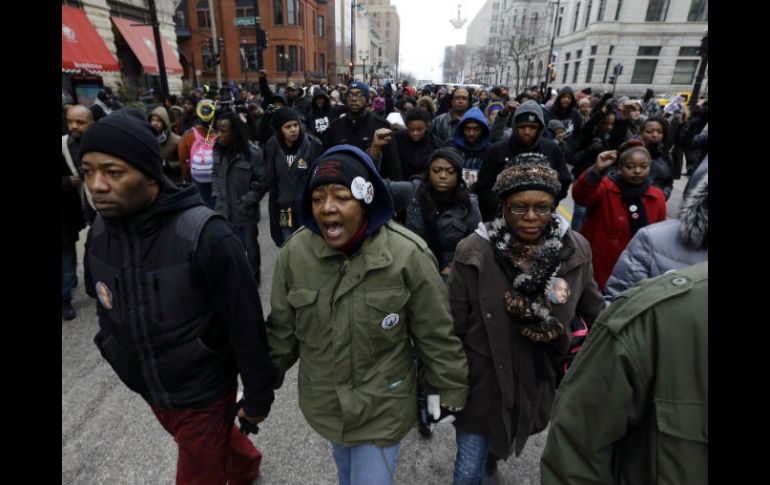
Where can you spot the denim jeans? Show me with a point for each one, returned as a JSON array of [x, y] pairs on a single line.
[[205, 191], [578, 216], [365, 464], [69, 264], [471, 458]]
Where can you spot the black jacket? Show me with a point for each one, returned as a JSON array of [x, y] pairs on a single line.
[[72, 220], [359, 133], [179, 316], [570, 117], [319, 119], [496, 157], [414, 156]]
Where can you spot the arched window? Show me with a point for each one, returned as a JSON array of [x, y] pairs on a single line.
[[202, 11]]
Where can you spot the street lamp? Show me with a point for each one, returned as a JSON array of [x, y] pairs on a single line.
[[363, 58], [551, 60]]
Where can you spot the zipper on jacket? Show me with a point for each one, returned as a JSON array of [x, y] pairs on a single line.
[[342, 272], [156, 288]]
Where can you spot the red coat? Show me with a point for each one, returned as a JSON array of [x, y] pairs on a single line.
[[606, 224]]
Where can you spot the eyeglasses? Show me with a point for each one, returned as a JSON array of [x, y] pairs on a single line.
[[520, 210]]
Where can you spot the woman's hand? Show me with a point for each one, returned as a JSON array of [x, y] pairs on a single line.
[[604, 160]]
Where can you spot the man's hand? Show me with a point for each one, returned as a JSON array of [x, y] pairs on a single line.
[[382, 137], [76, 181], [446, 270], [604, 160], [262, 73], [251, 419], [510, 106]]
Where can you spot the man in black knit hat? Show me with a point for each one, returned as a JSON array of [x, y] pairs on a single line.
[[179, 313]]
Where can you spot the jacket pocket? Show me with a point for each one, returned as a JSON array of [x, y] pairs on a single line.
[[307, 326], [386, 311], [683, 441], [125, 365]]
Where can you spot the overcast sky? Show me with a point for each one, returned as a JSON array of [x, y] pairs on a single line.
[[426, 31]]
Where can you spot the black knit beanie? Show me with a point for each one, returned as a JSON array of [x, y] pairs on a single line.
[[127, 135], [344, 169], [451, 155], [283, 116]]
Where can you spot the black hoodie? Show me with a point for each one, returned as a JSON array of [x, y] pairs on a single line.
[[319, 119], [570, 116], [168, 361]]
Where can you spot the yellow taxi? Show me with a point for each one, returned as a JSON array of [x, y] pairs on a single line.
[[664, 99]]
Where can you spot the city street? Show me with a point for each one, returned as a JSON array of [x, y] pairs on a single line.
[[110, 436]]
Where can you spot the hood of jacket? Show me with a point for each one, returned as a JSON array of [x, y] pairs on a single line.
[[327, 103], [694, 215], [556, 109], [473, 114], [378, 212], [161, 113], [282, 97], [534, 108], [171, 199]]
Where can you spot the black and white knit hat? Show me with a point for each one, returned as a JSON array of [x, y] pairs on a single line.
[[527, 175]]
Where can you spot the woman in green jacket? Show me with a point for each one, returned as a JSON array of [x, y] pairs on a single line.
[[354, 296]]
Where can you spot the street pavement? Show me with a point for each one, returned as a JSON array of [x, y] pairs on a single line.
[[110, 436]]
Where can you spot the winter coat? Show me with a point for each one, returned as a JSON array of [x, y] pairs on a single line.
[[660, 169], [502, 376], [444, 126], [179, 315], [168, 150], [414, 156], [238, 184], [288, 193], [570, 117], [664, 246], [452, 225], [318, 120], [606, 223], [497, 157], [473, 156], [354, 323], [633, 408], [359, 133]]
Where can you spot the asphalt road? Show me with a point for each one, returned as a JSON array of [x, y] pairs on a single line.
[[110, 436]]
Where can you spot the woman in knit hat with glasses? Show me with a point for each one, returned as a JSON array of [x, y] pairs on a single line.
[[516, 286], [354, 297]]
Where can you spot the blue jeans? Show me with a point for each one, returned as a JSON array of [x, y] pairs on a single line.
[[205, 191], [69, 263], [471, 458], [365, 464], [578, 216]]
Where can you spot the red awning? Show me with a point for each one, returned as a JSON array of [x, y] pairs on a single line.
[[81, 45], [142, 43]]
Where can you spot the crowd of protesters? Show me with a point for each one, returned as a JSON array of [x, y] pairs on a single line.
[[425, 273]]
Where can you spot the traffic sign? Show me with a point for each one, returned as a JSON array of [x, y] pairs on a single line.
[[240, 21]]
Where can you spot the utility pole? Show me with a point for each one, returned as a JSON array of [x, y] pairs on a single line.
[[158, 49], [704, 60], [260, 60], [352, 39], [215, 42], [549, 65]]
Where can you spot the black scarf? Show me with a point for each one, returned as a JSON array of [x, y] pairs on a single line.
[[632, 197], [528, 299]]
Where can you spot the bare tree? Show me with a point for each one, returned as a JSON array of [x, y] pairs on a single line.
[[520, 43]]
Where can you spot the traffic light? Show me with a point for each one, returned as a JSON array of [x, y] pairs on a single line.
[[211, 45], [263, 39], [612, 79], [221, 44], [217, 58]]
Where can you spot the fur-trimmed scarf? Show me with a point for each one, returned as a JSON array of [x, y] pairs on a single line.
[[528, 299]]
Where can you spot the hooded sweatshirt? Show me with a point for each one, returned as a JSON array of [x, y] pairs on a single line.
[[159, 347], [320, 119], [570, 117], [497, 157], [473, 160], [168, 144]]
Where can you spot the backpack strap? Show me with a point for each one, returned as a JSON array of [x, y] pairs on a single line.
[[189, 223]]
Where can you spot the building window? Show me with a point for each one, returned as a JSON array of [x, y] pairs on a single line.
[[568, 55], [300, 13], [533, 22], [322, 63], [494, 19], [647, 50], [320, 26], [602, 8], [644, 71], [379, 52], [280, 57], [202, 11], [607, 67], [588, 12], [244, 8], [566, 70], [313, 22], [689, 51], [575, 72], [278, 14], [593, 50], [579, 54], [293, 58], [302, 59], [684, 71], [577, 16], [657, 10], [290, 20], [248, 57], [208, 60], [699, 11], [590, 71], [617, 12], [558, 24]]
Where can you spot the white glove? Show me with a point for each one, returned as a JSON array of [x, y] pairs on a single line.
[[435, 411]]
